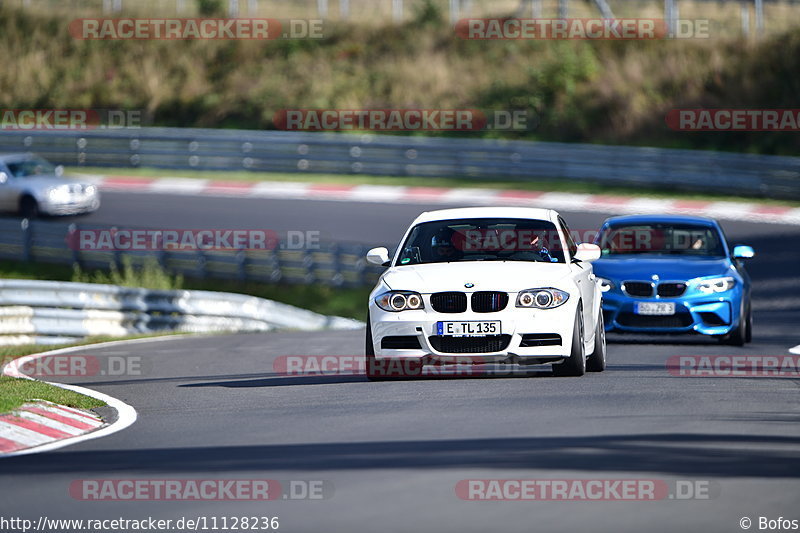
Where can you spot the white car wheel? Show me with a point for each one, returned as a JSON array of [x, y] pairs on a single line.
[[575, 364]]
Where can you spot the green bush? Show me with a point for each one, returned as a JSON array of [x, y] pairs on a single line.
[[148, 275], [210, 8]]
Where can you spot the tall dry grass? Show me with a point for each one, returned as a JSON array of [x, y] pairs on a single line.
[[580, 91]]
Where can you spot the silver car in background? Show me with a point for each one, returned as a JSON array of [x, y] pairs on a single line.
[[31, 185]]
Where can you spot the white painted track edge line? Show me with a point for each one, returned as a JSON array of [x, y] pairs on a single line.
[[126, 415]]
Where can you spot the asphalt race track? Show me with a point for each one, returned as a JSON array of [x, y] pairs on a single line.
[[390, 454]]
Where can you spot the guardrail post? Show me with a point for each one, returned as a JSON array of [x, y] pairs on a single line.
[[454, 11], [397, 10], [116, 254], [27, 239], [563, 9], [309, 266], [338, 277], [536, 9], [361, 266], [759, 8], [202, 263], [75, 242], [275, 263], [241, 261]]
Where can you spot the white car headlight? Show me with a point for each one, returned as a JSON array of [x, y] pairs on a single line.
[[58, 194], [90, 190], [396, 301], [605, 284], [547, 298], [713, 285]]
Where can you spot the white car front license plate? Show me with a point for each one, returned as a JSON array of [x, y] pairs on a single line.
[[655, 308], [480, 328]]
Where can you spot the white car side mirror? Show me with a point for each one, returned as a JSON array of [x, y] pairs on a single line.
[[60, 170], [3, 177], [587, 252], [378, 256]]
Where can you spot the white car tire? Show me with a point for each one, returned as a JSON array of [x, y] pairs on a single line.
[[575, 364], [597, 361]]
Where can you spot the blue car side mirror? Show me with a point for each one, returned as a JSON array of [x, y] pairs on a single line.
[[743, 252]]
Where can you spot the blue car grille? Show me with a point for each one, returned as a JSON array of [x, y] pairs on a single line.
[[632, 320], [671, 290], [641, 289]]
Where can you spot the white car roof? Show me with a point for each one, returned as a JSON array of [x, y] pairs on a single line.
[[488, 212]]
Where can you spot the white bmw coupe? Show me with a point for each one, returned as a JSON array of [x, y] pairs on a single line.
[[487, 285]]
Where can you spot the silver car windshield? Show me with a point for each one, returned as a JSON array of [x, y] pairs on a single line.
[[35, 166]]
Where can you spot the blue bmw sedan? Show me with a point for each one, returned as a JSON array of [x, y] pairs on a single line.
[[673, 274]]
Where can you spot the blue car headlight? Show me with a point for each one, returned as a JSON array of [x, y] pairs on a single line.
[[714, 285]]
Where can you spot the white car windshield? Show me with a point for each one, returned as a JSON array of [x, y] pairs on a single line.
[[482, 239], [31, 167]]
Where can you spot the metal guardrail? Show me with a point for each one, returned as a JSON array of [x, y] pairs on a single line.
[[47, 241], [345, 153], [51, 312]]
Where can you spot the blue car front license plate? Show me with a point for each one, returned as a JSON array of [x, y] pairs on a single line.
[[655, 308]]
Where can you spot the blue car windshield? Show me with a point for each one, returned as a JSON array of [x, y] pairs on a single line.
[[661, 239], [482, 239]]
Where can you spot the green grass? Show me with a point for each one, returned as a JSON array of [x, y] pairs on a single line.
[[346, 302], [546, 185], [14, 392]]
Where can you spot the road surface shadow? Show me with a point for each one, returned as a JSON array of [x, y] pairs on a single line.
[[689, 454]]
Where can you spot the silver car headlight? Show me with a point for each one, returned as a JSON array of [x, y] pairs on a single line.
[[90, 190], [710, 286], [546, 298], [396, 301], [605, 284], [58, 194]]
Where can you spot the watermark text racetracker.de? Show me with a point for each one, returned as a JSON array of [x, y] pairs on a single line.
[[195, 28], [731, 366], [690, 120], [77, 365], [580, 29], [455, 120], [114, 239], [250, 490], [635, 490], [68, 119]]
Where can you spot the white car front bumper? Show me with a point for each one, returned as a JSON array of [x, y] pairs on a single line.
[[528, 336]]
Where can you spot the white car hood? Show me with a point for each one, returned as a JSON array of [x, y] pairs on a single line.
[[504, 276]]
